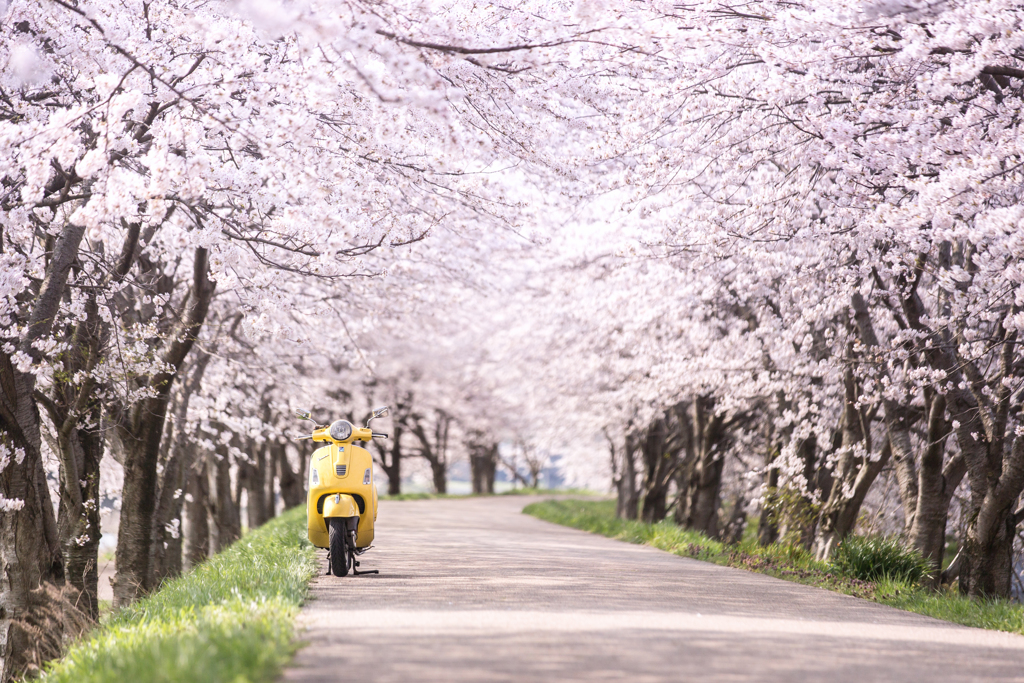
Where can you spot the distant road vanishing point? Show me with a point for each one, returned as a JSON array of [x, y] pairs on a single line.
[[473, 590]]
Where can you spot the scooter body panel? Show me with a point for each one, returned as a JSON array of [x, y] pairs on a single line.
[[345, 471], [340, 505]]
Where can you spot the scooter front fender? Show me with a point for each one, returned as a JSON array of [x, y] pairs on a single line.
[[340, 505]]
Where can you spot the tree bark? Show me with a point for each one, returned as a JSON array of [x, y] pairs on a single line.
[[987, 570], [490, 469], [706, 484], [734, 527], [659, 466], [898, 422], [936, 485], [853, 476], [80, 526], [685, 443], [197, 505], [987, 567], [224, 513], [626, 504], [76, 414], [390, 459], [767, 527], [293, 485], [167, 531], [839, 515], [439, 475], [257, 509], [434, 448], [29, 541], [483, 463], [980, 410], [140, 431], [799, 519]]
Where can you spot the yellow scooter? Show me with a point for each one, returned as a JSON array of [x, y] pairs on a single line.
[[342, 503]]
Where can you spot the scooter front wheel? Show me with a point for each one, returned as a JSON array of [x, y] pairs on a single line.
[[340, 556]]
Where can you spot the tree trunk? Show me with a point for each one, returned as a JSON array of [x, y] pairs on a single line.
[[987, 570], [659, 466], [439, 473], [390, 460], [936, 485], [140, 431], [257, 512], [293, 485], [483, 462], [853, 476], [141, 448], [268, 492], [29, 542], [898, 422], [227, 524], [535, 469], [166, 544], [980, 412], [178, 457], [490, 469], [987, 566], [839, 514], [799, 518], [626, 504], [767, 526], [197, 504], [733, 530], [75, 415], [708, 495], [706, 484], [80, 529], [435, 450], [685, 471], [29, 549]]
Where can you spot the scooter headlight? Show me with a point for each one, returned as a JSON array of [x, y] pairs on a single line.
[[341, 430]]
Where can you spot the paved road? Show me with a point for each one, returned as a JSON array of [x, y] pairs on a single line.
[[473, 590]]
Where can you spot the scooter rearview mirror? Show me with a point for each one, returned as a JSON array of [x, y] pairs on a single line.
[[303, 415], [381, 412]]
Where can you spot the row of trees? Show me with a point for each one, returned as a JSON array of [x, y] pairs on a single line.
[[766, 254], [198, 206], [823, 269]]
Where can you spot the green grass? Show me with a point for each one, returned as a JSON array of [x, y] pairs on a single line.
[[875, 558], [228, 620], [949, 605], [529, 491], [784, 562]]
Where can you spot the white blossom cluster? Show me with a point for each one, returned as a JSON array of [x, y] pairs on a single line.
[[548, 221]]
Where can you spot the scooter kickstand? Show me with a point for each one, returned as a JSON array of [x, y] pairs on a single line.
[[356, 572]]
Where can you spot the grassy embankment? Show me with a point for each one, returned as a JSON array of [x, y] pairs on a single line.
[[784, 562], [230, 619]]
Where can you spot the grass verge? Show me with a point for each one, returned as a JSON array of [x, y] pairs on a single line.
[[784, 562], [229, 620]]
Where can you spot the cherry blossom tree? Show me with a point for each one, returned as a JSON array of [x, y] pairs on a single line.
[[688, 247]]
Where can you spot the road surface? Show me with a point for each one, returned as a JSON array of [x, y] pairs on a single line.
[[473, 590]]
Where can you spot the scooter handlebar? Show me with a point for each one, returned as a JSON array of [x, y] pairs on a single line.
[[358, 434]]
